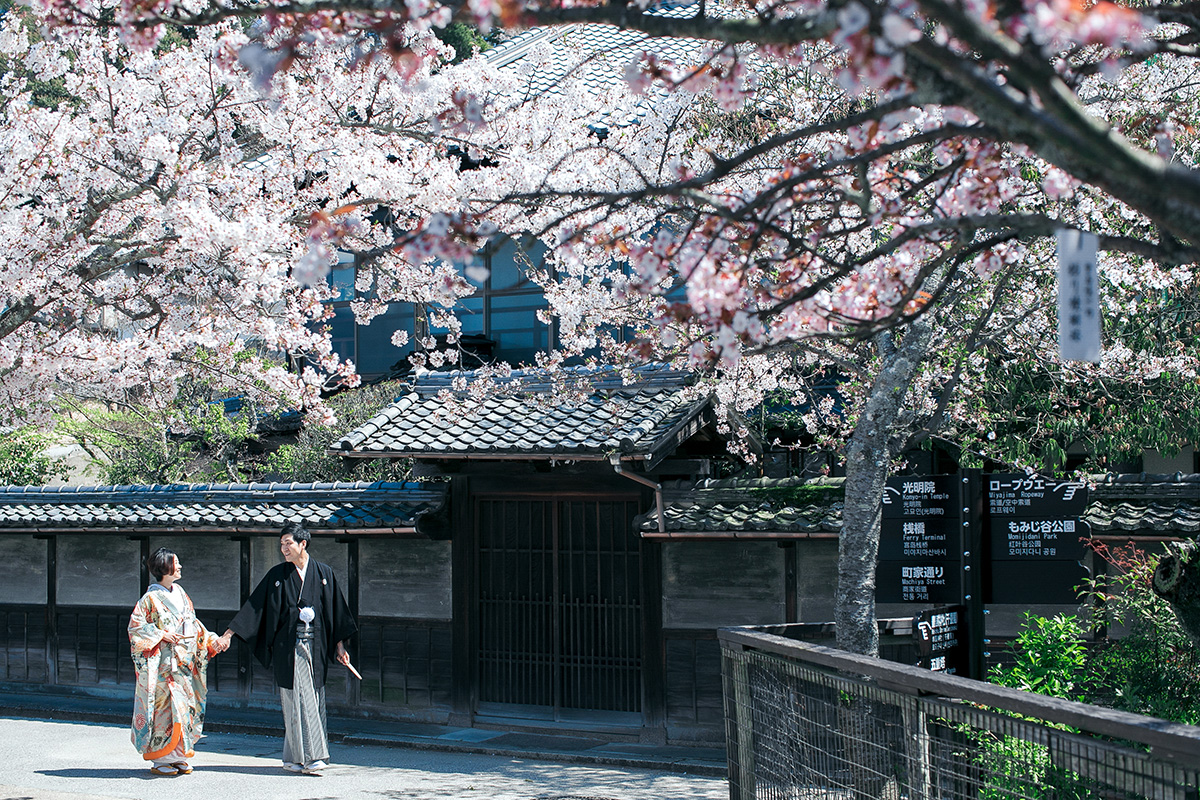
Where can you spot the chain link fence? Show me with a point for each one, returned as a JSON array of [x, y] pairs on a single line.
[[806, 722]]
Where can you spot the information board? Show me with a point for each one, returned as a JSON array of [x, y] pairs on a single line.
[[921, 497], [916, 582], [920, 541], [1019, 539], [941, 643], [1034, 534], [918, 538], [1021, 495]]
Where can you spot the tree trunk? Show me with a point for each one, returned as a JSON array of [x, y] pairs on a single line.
[[868, 457], [1177, 580]]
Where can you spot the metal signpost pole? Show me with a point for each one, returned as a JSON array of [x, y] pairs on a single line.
[[972, 564]]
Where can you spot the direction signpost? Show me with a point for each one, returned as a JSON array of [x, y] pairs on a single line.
[[918, 551], [971, 538], [1034, 532], [941, 642]]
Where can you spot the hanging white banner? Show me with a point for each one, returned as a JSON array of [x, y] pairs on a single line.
[[1078, 297]]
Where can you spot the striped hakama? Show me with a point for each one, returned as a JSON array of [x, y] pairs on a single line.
[[304, 732]]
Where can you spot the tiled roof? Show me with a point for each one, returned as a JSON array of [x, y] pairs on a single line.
[[1145, 505], [320, 507], [523, 417], [595, 54], [1165, 504], [749, 508]]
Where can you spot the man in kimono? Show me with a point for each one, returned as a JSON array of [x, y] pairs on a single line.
[[297, 620]]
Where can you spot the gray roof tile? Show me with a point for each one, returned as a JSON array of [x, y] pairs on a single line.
[[320, 507], [750, 507], [1144, 503], [523, 418], [595, 55], [1140, 505]]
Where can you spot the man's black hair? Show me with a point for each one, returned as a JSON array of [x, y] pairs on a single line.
[[298, 533]]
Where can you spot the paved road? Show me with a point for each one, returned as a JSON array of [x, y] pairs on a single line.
[[54, 760]]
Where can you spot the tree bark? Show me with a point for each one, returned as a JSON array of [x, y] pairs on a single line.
[[868, 457], [1177, 580]]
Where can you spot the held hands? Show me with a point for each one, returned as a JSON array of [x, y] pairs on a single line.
[[223, 642]]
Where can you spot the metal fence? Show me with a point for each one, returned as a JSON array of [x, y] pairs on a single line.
[[806, 722]]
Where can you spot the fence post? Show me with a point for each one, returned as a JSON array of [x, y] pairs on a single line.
[[739, 718], [920, 755]]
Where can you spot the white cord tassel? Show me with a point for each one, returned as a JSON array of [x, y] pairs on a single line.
[[307, 615]]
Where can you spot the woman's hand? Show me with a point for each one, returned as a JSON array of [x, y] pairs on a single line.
[[222, 642], [172, 637]]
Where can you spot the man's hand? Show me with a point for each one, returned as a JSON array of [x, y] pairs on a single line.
[[343, 657]]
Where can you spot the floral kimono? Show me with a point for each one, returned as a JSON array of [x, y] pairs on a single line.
[[172, 681]]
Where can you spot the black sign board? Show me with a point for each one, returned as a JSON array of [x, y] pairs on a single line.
[[917, 582], [1021, 495], [921, 497], [1033, 538], [920, 541], [940, 637], [1022, 539], [1024, 582], [906, 539]]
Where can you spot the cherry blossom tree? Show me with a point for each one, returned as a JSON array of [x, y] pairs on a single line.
[[875, 189], [164, 217]]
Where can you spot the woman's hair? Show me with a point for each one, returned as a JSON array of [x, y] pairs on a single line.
[[297, 531], [161, 562]]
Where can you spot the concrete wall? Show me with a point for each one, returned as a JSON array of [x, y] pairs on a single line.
[[816, 579], [98, 571], [1156, 463], [211, 569], [264, 554]]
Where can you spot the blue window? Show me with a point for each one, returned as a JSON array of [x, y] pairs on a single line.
[[500, 317]]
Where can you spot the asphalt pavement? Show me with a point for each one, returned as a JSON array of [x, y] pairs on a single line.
[[65, 759]]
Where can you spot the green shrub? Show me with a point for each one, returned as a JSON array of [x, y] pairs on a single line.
[[22, 462], [1153, 668], [1050, 658]]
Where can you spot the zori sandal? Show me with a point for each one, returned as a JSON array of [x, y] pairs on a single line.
[[182, 768], [164, 769]]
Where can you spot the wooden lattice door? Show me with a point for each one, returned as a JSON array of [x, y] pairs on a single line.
[[560, 607]]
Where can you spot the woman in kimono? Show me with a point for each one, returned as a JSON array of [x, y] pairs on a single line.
[[170, 650]]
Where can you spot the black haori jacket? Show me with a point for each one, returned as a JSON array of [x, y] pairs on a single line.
[[267, 621]]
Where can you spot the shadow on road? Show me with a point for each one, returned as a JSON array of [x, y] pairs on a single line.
[[144, 773]]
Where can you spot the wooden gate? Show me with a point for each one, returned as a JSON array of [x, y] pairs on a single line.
[[560, 608]]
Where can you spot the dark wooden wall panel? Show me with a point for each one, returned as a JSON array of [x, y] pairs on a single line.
[[695, 709], [405, 663], [93, 647], [710, 585], [23, 648]]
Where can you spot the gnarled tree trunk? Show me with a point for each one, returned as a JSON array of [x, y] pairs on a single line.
[[1177, 580], [869, 452]]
